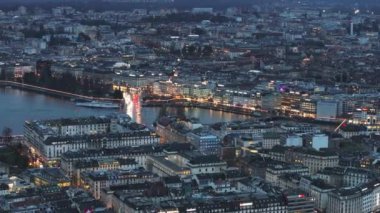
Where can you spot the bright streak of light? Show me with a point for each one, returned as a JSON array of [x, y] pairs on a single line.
[[133, 106], [344, 121], [61, 92]]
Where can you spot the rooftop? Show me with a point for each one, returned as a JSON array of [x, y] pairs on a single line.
[[205, 159]]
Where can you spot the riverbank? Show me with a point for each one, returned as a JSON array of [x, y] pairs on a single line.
[[234, 110], [52, 92], [19, 105], [240, 111]]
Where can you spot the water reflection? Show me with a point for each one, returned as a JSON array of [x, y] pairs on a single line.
[[148, 115], [133, 106], [16, 106]]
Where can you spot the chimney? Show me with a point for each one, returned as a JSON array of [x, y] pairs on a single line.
[[352, 28]]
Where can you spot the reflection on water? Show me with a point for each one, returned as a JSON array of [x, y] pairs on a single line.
[[148, 115], [16, 106], [133, 107]]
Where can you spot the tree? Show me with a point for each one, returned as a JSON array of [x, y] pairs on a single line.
[[43, 68], [2, 75], [7, 135], [118, 94], [30, 78], [83, 37], [199, 31], [163, 112], [180, 113], [57, 41], [207, 50]]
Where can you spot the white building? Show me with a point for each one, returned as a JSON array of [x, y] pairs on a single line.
[[320, 192], [293, 140], [327, 110], [320, 141], [184, 164], [49, 139], [365, 198]]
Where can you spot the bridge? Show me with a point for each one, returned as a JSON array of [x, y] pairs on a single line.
[[54, 92]]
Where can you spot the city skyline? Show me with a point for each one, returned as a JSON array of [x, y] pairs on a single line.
[[175, 106]]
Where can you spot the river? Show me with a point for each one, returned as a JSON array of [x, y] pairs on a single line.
[[17, 105]]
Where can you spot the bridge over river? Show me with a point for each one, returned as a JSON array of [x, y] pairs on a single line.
[[54, 92]]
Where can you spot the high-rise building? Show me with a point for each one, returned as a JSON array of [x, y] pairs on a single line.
[[327, 110], [319, 141]]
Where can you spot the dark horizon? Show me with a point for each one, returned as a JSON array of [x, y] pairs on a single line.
[[100, 5]]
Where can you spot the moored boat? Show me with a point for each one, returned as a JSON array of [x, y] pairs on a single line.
[[98, 104]]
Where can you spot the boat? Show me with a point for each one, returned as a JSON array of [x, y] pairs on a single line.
[[98, 104]]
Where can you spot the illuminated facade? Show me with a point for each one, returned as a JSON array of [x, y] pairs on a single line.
[[365, 198], [46, 176], [206, 143], [51, 141], [95, 181], [139, 154], [308, 108], [184, 164], [299, 202], [168, 88], [163, 167], [230, 204], [314, 160], [101, 165]]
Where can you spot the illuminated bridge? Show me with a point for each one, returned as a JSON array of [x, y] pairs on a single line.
[[54, 92]]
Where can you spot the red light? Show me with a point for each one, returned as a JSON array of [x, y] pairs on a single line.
[[301, 196], [88, 210], [135, 98]]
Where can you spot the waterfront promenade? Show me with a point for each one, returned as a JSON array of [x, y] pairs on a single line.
[[211, 106]]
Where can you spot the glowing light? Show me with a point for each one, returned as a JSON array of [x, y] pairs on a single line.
[[342, 124], [245, 204]]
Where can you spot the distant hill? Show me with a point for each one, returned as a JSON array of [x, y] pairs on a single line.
[[117, 5]]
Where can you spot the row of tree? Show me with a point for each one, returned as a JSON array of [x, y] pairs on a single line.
[[6, 135], [197, 51], [68, 82]]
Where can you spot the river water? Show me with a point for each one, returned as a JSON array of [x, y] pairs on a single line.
[[16, 106]]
